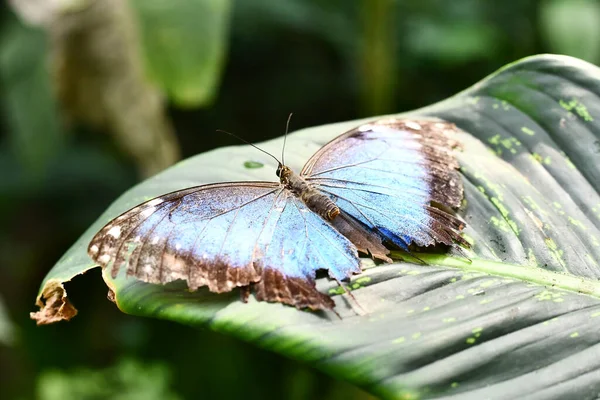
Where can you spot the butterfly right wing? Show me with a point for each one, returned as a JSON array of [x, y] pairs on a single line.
[[396, 178], [225, 236]]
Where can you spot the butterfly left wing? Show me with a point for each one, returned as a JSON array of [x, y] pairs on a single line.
[[395, 177], [228, 235]]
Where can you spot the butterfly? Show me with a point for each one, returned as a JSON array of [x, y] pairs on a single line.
[[388, 183]]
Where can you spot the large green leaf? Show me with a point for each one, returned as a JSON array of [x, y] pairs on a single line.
[[519, 320]]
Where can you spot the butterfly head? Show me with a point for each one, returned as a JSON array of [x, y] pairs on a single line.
[[283, 172]]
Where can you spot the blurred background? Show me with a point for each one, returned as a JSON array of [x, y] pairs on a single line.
[[95, 95]]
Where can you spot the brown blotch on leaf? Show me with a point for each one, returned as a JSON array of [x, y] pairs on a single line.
[[54, 305], [111, 296]]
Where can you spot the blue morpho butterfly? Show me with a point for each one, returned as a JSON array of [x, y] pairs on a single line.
[[391, 182]]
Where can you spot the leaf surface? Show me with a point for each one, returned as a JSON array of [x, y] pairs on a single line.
[[520, 320]]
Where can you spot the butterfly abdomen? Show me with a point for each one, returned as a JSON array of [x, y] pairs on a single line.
[[314, 200], [320, 204]]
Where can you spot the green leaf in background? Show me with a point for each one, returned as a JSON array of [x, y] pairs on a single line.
[[29, 107], [126, 380], [7, 328], [521, 320], [451, 42], [572, 27], [185, 43]]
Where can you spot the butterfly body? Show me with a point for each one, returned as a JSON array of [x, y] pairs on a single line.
[[372, 187], [314, 200]]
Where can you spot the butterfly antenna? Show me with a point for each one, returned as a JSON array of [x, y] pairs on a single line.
[[287, 128], [247, 142]]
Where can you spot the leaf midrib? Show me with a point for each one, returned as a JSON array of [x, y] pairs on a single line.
[[524, 273]]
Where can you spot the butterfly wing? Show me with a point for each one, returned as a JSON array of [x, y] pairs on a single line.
[[394, 177], [225, 236]]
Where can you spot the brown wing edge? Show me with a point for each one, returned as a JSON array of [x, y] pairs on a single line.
[[447, 189], [297, 292], [365, 241], [268, 284]]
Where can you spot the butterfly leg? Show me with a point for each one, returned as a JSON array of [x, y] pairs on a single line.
[[462, 252], [244, 293], [349, 293]]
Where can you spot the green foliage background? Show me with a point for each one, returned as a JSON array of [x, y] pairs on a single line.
[[256, 61]]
